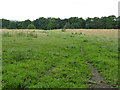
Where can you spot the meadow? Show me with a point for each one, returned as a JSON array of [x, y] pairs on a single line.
[[53, 58]]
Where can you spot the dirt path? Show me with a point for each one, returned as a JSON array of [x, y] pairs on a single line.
[[97, 80]]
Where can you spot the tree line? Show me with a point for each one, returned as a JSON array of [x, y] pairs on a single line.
[[110, 22]]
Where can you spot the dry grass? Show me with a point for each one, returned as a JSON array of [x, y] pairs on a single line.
[[104, 32], [26, 31]]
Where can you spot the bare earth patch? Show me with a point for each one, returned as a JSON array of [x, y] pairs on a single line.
[[97, 80]]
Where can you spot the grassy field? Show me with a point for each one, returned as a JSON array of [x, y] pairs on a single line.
[[52, 59]]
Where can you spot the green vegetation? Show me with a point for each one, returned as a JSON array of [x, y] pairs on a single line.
[[110, 22], [0, 60], [54, 59], [102, 53], [31, 26]]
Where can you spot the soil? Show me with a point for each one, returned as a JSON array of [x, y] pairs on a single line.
[[96, 81]]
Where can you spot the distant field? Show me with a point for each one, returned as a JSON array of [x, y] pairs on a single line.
[[110, 32], [54, 59], [104, 32]]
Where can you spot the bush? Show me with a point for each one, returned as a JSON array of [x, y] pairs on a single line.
[[31, 26]]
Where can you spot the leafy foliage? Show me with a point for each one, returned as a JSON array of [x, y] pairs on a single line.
[[31, 26], [110, 22]]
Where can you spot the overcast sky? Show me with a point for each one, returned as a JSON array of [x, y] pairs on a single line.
[[33, 9]]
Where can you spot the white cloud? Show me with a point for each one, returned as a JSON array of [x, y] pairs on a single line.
[[33, 9]]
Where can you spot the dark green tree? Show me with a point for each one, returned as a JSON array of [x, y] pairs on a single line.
[[25, 24], [5, 23], [67, 26], [12, 25], [118, 22], [0, 23], [53, 24], [88, 23], [110, 22], [41, 23], [19, 25]]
